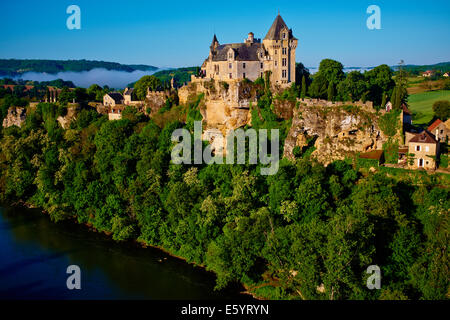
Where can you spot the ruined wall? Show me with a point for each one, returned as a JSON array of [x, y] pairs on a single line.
[[16, 117]]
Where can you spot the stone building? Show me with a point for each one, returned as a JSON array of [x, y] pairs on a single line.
[[440, 130], [425, 149], [253, 57], [113, 99], [127, 96], [115, 112]]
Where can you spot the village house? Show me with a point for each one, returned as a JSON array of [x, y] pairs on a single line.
[[427, 74], [113, 99], [406, 115], [253, 57], [115, 112], [424, 148], [446, 74], [440, 130]]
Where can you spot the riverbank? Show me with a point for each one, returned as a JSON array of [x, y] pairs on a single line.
[[163, 256], [105, 264]]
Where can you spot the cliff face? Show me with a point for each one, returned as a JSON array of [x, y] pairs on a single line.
[[72, 111], [226, 104], [340, 131], [15, 117]]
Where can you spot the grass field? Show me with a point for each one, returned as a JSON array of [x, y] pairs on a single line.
[[421, 104]]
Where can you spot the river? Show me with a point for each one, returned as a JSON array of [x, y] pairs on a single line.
[[35, 254]]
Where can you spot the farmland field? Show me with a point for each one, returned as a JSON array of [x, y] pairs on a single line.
[[421, 104]]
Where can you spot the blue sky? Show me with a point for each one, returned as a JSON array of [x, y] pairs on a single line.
[[178, 33]]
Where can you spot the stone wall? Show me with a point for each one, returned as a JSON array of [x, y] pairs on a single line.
[[368, 105]]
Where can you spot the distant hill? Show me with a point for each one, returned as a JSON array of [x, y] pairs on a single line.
[[418, 69], [16, 67], [181, 75]]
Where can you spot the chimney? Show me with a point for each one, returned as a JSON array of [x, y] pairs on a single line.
[[251, 38]]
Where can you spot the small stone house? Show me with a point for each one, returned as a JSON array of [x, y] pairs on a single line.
[[425, 150], [112, 99], [115, 112], [440, 130]]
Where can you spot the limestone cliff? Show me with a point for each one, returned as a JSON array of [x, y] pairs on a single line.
[[340, 131], [226, 105]]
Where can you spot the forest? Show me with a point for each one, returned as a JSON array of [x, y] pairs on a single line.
[[16, 67], [308, 232]]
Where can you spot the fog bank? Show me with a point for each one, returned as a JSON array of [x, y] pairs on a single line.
[[112, 78]]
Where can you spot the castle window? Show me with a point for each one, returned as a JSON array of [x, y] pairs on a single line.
[[284, 35], [284, 50], [427, 148], [276, 51], [284, 73], [230, 65], [276, 63], [231, 76], [262, 65], [417, 148], [284, 62], [244, 75], [243, 66]]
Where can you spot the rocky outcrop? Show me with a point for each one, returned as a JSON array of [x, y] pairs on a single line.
[[340, 131], [72, 111], [16, 117]]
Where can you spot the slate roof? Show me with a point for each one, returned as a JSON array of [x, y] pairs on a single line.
[[275, 30], [242, 51], [424, 137], [116, 96], [434, 125]]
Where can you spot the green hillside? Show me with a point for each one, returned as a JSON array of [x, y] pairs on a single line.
[[421, 104]]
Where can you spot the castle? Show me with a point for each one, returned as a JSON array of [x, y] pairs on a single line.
[[252, 58]]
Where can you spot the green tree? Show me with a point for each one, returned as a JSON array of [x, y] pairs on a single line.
[[330, 92], [304, 89], [441, 109], [145, 83]]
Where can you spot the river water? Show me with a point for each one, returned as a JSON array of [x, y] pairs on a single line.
[[35, 254]]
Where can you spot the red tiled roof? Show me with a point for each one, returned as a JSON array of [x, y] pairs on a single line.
[[375, 155], [434, 125], [405, 109], [424, 137]]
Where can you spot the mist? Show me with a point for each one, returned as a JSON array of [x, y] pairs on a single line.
[[112, 78]]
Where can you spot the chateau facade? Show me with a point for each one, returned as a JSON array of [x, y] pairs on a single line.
[[252, 58]]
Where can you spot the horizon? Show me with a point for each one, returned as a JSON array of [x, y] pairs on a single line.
[[134, 34]]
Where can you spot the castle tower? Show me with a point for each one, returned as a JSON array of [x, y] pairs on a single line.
[[281, 45], [214, 44]]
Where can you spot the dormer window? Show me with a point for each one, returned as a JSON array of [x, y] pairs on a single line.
[[284, 35]]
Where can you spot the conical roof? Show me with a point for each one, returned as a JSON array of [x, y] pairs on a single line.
[[275, 29], [214, 40]]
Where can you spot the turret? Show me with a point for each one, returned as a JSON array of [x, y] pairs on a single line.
[[214, 44]]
